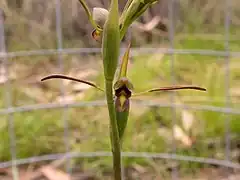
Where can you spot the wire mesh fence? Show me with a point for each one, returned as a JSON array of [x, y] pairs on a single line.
[[9, 109]]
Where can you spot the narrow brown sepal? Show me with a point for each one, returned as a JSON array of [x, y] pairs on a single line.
[[59, 76], [170, 88], [177, 88]]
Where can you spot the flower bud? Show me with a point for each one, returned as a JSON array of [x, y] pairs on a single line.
[[100, 16]]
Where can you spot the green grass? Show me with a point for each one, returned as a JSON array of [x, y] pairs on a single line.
[[41, 132]]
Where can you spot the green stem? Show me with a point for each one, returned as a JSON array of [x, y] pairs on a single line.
[[116, 149], [85, 7]]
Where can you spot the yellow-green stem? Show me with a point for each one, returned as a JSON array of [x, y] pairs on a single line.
[[116, 149]]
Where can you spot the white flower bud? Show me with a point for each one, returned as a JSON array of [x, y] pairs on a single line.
[[100, 16]]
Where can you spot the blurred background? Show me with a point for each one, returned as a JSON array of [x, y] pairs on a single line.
[[183, 135]]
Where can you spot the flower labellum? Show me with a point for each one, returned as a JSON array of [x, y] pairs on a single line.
[[97, 35], [123, 91], [100, 16]]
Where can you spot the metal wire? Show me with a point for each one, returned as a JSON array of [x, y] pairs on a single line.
[[135, 51], [227, 79], [174, 172], [8, 102], [35, 107], [62, 89], [9, 110], [223, 163]]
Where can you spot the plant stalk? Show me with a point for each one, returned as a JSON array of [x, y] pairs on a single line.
[[115, 141]]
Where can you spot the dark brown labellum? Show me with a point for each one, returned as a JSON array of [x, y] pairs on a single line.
[[123, 91]]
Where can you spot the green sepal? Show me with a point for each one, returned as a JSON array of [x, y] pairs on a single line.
[[111, 42], [133, 10]]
